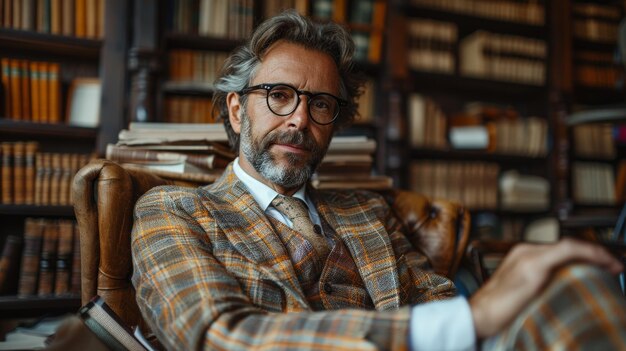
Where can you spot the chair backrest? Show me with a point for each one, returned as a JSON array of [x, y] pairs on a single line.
[[105, 193]]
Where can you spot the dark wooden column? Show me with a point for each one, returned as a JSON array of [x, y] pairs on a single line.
[[113, 73], [144, 62], [561, 90]]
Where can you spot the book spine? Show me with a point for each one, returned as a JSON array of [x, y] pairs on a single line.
[[6, 87], [16, 90], [65, 183], [54, 90], [46, 177], [9, 264], [55, 16], [64, 258], [80, 18], [44, 107], [39, 174], [34, 92], [68, 17], [29, 272], [30, 172], [55, 179], [18, 173], [7, 172], [25, 93], [75, 283], [48, 259]]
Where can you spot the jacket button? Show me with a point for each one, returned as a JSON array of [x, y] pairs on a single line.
[[317, 229], [328, 288]]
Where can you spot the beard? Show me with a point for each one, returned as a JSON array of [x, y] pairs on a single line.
[[293, 173]]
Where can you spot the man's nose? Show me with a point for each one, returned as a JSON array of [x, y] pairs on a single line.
[[299, 119]]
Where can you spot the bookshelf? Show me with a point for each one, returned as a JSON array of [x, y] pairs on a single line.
[[71, 38], [427, 100], [591, 151]]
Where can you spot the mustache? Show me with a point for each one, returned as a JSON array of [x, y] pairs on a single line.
[[297, 138]]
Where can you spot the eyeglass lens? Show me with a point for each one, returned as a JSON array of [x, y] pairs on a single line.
[[283, 100]]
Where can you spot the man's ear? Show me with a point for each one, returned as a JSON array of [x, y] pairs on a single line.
[[234, 111]]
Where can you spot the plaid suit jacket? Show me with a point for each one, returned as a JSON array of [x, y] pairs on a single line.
[[211, 273]]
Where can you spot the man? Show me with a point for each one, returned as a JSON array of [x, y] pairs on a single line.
[[229, 266]]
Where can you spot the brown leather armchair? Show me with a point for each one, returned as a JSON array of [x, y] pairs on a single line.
[[105, 193]]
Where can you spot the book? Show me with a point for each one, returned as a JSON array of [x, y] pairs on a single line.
[[64, 258], [75, 279], [84, 102], [469, 137], [372, 182], [47, 260], [35, 99], [7, 172], [6, 87], [138, 155], [68, 17], [29, 270], [109, 328], [25, 93], [18, 173], [16, 90], [10, 264], [54, 93]]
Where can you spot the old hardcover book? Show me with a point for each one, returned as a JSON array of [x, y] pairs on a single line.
[[29, 270], [47, 261], [30, 172], [64, 258], [44, 104], [109, 328], [54, 93], [35, 101], [55, 16], [6, 87], [46, 178], [16, 89], [10, 264], [39, 174], [55, 179], [75, 276], [25, 93], [7, 172], [65, 183], [68, 17], [80, 18], [18, 173]]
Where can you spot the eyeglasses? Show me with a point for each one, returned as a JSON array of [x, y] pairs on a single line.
[[283, 99]]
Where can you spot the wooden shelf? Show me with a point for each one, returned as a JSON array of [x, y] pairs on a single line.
[[476, 22], [452, 154], [46, 130], [33, 210], [200, 42], [21, 41], [477, 88], [18, 307]]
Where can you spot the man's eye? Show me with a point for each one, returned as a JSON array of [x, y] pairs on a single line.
[[320, 104]]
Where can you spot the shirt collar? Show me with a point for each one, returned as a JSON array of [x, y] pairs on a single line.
[[262, 193]]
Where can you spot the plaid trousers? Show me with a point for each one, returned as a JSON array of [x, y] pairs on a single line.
[[582, 309]]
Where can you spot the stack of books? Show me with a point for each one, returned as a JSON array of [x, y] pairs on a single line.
[[200, 151], [349, 164], [524, 192]]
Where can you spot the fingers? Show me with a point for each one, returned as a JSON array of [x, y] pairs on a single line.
[[570, 250]]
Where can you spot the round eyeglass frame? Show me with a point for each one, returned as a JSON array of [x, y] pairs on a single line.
[[268, 87]]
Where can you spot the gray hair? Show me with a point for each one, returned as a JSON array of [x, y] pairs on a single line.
[[330, 38]]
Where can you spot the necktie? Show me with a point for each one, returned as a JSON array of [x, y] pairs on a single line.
[[296, 210]]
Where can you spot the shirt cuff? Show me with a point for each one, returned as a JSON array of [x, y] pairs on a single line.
[[442, 325]]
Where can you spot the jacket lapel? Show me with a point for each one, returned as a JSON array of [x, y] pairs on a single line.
[[370, 247], [250, 232]]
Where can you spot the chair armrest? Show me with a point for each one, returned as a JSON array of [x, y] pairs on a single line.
[[439, 228]]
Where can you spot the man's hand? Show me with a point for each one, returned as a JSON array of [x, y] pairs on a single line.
[[523, 274]]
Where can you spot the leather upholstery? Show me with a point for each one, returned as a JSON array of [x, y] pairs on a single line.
[[105, 193]]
